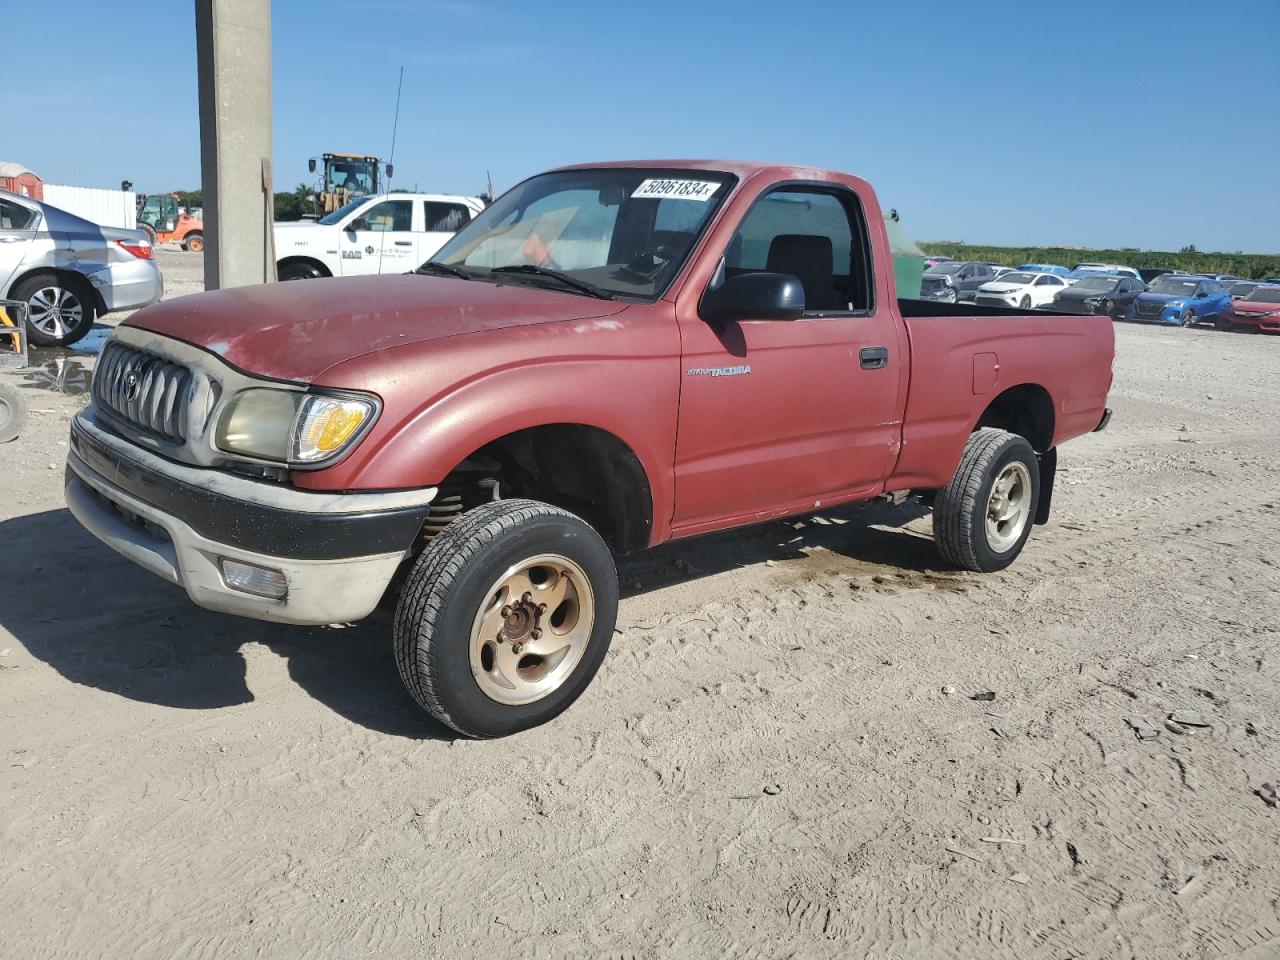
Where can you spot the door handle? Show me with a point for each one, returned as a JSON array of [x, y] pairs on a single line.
[[404, 243], [874, 358]]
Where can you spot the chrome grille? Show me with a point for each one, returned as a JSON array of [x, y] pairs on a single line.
[[149, 392]]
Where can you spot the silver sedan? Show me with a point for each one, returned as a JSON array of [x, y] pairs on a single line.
[[69, 271]]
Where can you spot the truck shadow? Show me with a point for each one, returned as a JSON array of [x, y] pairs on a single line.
[[850, 538], [101, 622]]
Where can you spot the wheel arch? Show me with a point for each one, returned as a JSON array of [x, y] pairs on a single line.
[[306, 260], [70, 277], [579, 467], [1027, 410]]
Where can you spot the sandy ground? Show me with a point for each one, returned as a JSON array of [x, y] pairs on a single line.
[[765, 767]]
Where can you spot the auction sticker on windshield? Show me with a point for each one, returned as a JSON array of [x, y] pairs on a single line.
[[676, 190]]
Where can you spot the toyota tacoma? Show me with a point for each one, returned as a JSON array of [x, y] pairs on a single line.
[[606, 358]]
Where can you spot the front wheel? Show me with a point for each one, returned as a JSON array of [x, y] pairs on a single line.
[[983, 517], [506, 617], [194, 242], [949, 295], [1025, 302], [1189, 319]]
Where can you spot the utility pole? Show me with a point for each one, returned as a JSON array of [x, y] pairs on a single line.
[[233, 50]]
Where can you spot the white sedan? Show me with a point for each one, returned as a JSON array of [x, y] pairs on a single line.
[[390, 233], [1022, 290]]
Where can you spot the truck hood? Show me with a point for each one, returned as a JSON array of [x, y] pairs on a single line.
[[295, 331]]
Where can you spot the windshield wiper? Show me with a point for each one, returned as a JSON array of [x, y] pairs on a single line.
[[433, 265], [590, 289]]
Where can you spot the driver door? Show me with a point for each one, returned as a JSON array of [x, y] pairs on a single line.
[[379, 239], [779, 415]]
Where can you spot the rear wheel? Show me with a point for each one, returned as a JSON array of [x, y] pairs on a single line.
[[297, 270], [59, 311], [983, 517], [506, 617]]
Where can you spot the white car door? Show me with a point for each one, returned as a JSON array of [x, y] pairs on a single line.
[[18, 224], [1046, 288], [441, 220], [379, 239]]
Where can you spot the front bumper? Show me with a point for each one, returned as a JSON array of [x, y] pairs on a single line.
[[1261, 322], [129, 285], [337, 552]]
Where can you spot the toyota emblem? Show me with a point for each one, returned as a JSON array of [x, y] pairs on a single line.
[[131, 384]]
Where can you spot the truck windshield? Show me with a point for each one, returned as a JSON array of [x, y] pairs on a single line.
[[625, 231], [349, 207]]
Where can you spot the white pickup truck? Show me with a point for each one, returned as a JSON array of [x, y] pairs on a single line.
[[388, 233]]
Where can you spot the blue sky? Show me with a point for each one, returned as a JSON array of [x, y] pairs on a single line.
[[1146, 123]]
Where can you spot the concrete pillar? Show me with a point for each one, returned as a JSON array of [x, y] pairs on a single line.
[[233, 48]]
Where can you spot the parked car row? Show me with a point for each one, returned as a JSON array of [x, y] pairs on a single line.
[[1171, 297]]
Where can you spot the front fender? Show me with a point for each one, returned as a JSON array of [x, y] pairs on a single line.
[[498, 384]]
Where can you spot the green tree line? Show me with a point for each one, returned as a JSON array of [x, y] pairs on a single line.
[[288, 206], [1252, 266]]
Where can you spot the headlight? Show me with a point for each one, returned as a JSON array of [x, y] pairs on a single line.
[[259, 423], [1176, 304], [286, 426]]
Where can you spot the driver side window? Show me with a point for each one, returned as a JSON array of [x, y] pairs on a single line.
[[390, 215], [815, 236]]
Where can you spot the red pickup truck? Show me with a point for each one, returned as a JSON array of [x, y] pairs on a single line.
[[606, 358]]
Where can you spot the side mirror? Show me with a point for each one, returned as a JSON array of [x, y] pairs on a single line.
[[311, 165], [359, 223], [391, 170], [754, 296]]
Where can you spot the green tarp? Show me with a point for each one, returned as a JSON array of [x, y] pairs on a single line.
[[908, 259]]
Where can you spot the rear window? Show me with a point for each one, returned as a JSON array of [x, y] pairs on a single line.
[[14, 216], [445, 217]]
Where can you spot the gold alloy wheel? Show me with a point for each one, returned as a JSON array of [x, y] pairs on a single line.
[[1009, 507], [532, 629]]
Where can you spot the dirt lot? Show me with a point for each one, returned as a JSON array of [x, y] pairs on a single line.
[[766, 766]]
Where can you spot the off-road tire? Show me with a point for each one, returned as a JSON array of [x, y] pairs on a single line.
[[443, 592], [960, 509], [194, 242], [13, 412], [150, 231]]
